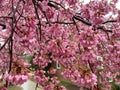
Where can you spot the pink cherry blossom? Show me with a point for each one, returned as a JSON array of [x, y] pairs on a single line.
[[54, 39]]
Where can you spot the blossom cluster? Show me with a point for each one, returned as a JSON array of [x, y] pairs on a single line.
[[64, 38], [16, 79]]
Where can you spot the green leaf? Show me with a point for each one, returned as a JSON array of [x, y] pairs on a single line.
[[115, 86], [64, 83]]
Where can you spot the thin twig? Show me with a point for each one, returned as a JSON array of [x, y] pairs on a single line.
[[5, 43], [76, 25], [36, 86], [39, 22], [41, 9], [59, 22], [110, 21]]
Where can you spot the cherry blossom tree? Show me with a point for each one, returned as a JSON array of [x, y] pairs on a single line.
[[81, 39]]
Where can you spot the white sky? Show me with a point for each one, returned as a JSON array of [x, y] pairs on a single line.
[[117, 5]]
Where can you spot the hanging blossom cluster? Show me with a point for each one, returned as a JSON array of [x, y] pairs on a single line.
[[19, 73], [16, 79], [63, 38], [81, 79]]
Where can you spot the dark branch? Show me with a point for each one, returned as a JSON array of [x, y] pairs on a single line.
[[37, 15], [6, 17], [111, 21], [41, 9], [59, 22], [76, 25], [90, 66], [82, 20], [102, 28], [55, 5], [4, 44], [3, 26], [90, 24]]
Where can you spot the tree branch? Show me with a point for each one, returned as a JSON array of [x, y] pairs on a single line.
[[41, 9], [55, 4], [82, 20], [110, 21], [37, 15], [3, 26]]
